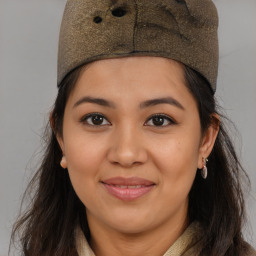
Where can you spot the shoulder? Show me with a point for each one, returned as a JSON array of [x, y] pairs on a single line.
[[248, 250]]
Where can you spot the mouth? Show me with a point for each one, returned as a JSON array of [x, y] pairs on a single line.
[[128, 189]]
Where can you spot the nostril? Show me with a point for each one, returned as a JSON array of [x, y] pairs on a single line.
[[97, 20], [119, 12]]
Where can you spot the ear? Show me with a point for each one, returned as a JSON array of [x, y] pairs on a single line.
[[58, 137], [208, 140], [61, 144]]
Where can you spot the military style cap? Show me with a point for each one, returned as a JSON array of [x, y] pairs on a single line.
[[182, 30]]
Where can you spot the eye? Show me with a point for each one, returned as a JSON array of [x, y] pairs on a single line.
[[95, 119], [159, 120]]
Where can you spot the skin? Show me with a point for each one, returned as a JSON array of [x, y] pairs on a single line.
[[129, 144]]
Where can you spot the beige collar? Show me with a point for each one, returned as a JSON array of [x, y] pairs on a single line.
[[185, 245]]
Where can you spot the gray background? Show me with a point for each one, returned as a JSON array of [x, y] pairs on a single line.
[[28, 56]]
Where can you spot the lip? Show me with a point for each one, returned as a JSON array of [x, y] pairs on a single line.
[[128, 189]]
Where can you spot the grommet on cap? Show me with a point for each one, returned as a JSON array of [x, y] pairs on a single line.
[[97, 20], [119, 12], [180, 1]]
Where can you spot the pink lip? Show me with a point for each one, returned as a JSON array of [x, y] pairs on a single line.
[[128, 188]]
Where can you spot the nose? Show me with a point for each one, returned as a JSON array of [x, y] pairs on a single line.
[[127, 148]]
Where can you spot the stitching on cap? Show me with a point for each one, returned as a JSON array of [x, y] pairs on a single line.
[[135, 23]]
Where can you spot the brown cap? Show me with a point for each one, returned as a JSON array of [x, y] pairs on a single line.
[[183, 30]]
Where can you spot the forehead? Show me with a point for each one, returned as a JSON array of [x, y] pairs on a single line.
[[137, 65], [134, 78]]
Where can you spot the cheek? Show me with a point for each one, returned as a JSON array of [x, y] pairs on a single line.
[[81, 157], [82, 149], [177, 155], [84, 156], [177, 159]]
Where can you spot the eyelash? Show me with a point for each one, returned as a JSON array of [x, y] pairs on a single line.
[[163, 116], [86, 117]]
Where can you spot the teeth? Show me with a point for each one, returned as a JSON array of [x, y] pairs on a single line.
[[136, 186], [131, 187]]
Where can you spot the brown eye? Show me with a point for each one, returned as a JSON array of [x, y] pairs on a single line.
[[95, 119], [159, 120]]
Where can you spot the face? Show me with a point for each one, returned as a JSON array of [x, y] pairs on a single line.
[[132, 143]]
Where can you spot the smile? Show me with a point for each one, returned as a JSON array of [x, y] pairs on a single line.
[[128, 189], [132, 186]]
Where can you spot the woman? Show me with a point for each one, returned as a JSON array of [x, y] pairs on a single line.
[[138, 161]]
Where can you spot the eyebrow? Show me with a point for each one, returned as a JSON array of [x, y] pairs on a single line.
[[166, 100], [144, 104], [99, 101]]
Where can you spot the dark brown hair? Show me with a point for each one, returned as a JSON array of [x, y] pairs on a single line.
[[47, 227]]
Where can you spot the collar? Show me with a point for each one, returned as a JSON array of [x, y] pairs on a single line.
[[185, 245]]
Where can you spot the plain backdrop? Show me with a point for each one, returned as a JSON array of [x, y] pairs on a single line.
[[28, 56]]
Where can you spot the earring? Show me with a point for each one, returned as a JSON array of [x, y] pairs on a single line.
[[204, 170], [63, 162]]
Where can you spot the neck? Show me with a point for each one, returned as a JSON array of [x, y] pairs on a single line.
[[148, 243]]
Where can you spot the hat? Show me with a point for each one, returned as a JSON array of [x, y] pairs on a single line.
[[182, 30]]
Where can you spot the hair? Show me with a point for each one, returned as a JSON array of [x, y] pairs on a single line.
[[48, 226]]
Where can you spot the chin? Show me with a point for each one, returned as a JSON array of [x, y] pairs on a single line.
[[130, 228], [131, 222]]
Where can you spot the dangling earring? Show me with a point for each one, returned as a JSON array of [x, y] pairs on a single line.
[[204, 170], [63, 162]]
